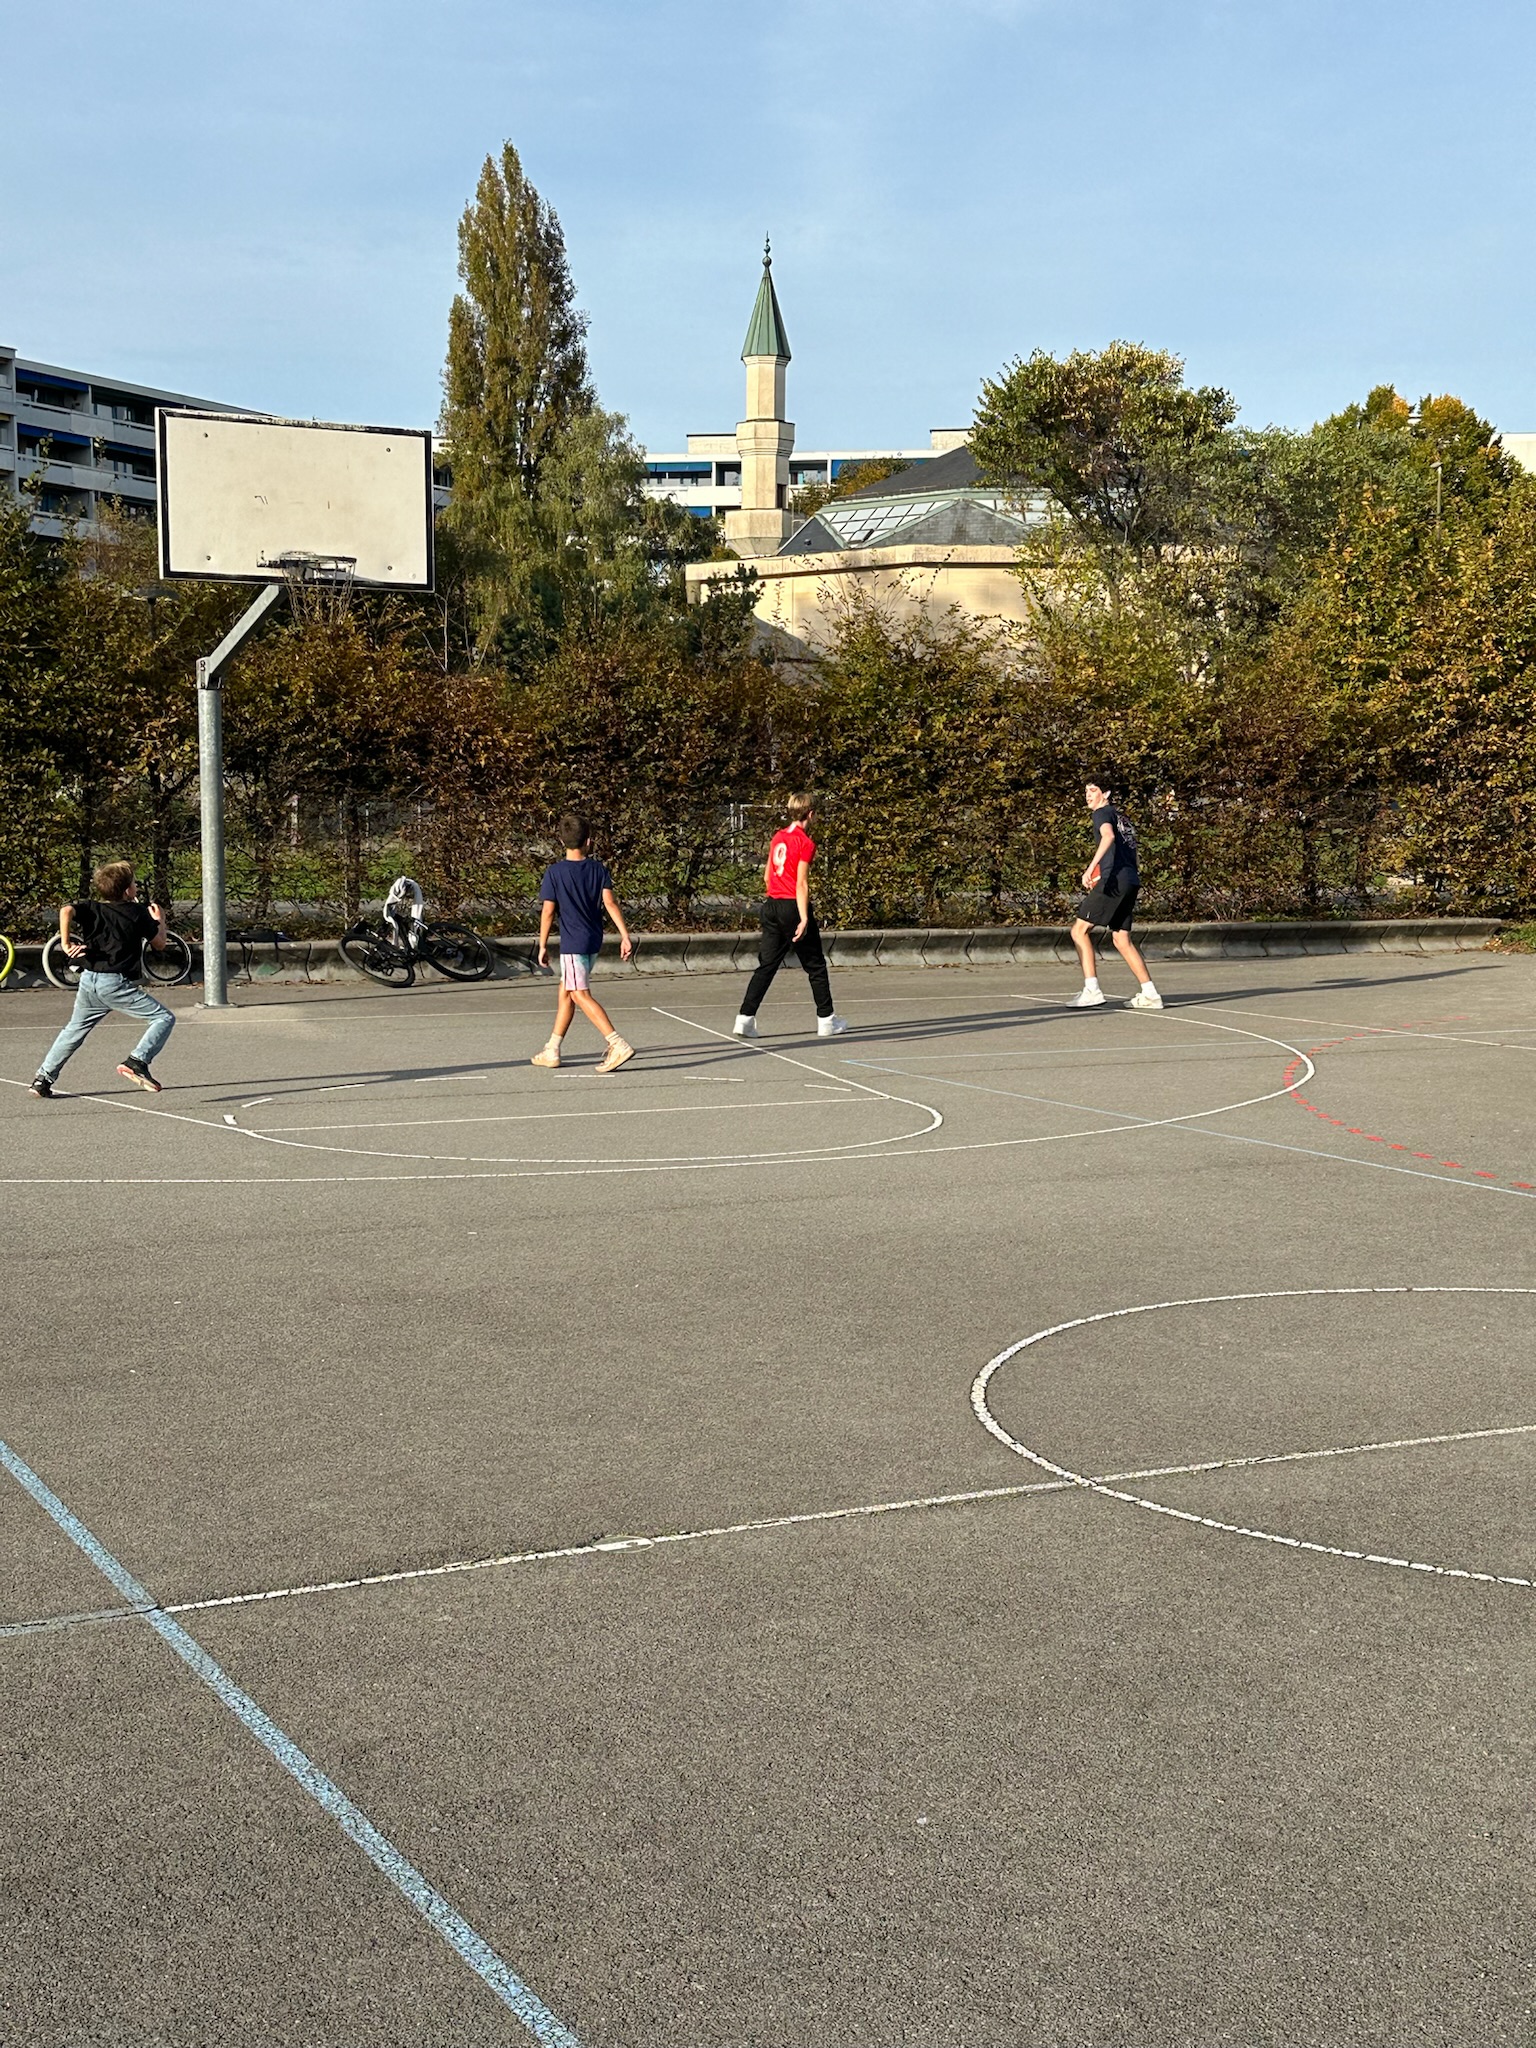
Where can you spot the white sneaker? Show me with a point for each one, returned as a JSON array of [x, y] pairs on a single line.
[[1149, 999], [831, 1027], [745, 1027], [1090, 999]]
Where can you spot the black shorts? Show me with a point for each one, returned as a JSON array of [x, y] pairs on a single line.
[[1110, 908]]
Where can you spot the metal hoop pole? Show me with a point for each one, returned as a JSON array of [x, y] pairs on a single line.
[[210, 785], [210, 782]]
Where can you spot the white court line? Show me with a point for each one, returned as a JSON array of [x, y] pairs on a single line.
[[745, 1162], [610, 1545], [793, 1153], [540, 1116], [981, 1385], [1051, 1052], [1130, 1120], [554, 1169], [1365, 1030], [434, 1908]]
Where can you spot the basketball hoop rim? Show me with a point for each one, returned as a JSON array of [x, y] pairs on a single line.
[[301, 566]]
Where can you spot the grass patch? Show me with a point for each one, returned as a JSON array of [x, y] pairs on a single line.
[[1515, 938]]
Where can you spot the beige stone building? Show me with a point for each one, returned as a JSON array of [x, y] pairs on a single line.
[[931, 537]]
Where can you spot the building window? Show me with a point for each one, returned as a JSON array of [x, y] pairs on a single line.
[[727, 473], [674, 473], [61, 447], [123, 405], [48, 391], [130, 461]]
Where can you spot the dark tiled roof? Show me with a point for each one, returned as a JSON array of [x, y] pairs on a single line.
[[811, 539], [951, 471]]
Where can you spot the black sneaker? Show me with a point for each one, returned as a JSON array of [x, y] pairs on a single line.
[[134, 1070], [42, 1087]]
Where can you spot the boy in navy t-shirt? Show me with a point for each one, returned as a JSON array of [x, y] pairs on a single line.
[[581, 889]]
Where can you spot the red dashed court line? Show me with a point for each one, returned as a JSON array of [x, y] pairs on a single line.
[[1372, 1137]]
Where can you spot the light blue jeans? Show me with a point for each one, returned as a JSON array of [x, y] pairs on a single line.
[[96, 996]]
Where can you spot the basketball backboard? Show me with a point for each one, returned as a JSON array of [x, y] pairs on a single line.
[[238, 492]]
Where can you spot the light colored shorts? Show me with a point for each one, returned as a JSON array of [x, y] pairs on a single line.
[[576, 971]]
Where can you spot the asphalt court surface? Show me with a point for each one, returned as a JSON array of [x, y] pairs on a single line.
[[703, 1556]]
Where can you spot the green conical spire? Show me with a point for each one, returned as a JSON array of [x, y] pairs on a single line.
[[765, 330]]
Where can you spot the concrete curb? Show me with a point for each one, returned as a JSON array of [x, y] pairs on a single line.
[[685, 953]]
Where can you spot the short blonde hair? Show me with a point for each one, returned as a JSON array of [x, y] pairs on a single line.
[[799, 805]]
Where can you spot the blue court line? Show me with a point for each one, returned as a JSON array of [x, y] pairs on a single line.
[[432, 1906]]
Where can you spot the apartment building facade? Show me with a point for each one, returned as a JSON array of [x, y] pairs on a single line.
[[705, 476], [86, 440]]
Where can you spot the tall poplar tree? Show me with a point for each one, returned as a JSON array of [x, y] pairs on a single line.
[[516, 379]]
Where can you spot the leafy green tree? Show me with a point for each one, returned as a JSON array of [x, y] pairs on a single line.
[[30, 788], [592, 549], [339, 711], [909, 732], [139, 641], [1125, 448], [550, 528], [657, 725], [516, 378]]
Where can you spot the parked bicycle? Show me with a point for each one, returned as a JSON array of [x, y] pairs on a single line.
[[172, 964], [390, 949]]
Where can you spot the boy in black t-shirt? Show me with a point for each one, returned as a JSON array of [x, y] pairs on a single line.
[[107, 936], [1112, 880]]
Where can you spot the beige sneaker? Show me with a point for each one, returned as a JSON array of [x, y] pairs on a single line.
[[549, 1057], [619, 1050]]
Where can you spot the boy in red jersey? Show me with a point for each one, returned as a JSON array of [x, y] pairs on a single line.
[[789, 924]]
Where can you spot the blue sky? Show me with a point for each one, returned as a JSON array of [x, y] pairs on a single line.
[[1301, 197]]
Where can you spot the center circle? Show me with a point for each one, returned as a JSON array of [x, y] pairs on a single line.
[[295, 1137], [980, 1394]]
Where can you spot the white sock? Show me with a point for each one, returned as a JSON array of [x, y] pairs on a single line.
[[1091, 982], [1148, 989]]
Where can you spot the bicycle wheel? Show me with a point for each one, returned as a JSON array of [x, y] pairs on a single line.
[[366, 949], [57, 965], [7, 957], [174, 964], [454, 950]]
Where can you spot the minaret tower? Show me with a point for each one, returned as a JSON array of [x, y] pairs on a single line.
[[764, 438]]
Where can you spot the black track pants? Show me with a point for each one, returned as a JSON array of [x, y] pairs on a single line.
[[778, 917]]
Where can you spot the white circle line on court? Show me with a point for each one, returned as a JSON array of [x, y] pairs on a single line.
[[795, 1153], [613, 1545], [547, 1116], [684, 1164], [290, 1180], [980, 1404], [1129, 1120], [742, 1163]]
